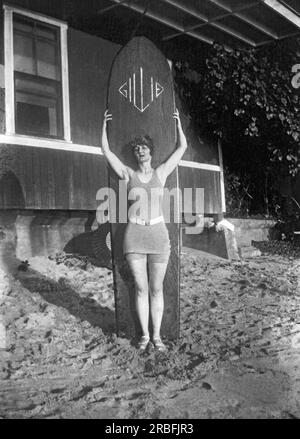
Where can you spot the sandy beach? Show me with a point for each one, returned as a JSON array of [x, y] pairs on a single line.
[[238, 355]]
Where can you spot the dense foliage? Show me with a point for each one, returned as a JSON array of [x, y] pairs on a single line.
[[246, 97]]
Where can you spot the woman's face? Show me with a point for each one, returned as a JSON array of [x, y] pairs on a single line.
[[142, 153]]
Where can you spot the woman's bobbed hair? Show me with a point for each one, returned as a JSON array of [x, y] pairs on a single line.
[[143, 140]]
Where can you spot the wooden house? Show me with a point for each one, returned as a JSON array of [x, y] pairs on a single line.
[[53, 81], [53, 87]]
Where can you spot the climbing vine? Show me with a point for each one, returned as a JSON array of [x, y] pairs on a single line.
[[250, 99]]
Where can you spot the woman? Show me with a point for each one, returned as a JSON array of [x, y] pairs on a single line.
[[146, 240]]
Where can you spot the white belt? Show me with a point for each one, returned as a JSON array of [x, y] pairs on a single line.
[[141, 222]]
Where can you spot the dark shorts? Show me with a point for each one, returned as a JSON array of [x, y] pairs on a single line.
[[146, 239]]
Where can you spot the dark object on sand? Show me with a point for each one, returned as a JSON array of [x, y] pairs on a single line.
[[23, 266]]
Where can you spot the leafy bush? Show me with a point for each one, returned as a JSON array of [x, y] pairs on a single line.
[[246, 98]]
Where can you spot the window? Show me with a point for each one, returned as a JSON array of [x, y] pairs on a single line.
[[37, 96], [37, 79]]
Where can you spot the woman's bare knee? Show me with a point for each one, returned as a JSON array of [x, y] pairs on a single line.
[[156, 292], [141, 291]]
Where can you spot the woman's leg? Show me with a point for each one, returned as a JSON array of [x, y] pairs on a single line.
[[138, 267], [157, 272]]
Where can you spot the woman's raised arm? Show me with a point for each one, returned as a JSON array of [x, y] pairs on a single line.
[[120, 169], [170, 164]]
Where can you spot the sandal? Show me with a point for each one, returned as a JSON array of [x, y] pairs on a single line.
[[159, 345], [143, 342]]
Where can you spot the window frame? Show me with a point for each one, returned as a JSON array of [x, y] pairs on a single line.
[[9, 70]]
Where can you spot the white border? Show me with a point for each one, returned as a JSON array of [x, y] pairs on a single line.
[[65, 82], [281, 9], [60, 145], [223, 196], [204, 166], [9, 71], [9, 67], [36, 15], [36, 142]]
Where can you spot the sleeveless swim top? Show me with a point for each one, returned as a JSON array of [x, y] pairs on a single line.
[[150, 239], [145, 200]]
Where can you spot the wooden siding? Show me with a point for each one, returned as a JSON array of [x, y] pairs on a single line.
[[201, 149], [210, 181], [90, 60], [1, 33], [2, 87], [35, 178], [52, 8]]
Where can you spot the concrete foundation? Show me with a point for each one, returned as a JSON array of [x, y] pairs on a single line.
[[28, 233], [248, 230], [25, 234], [229, 244], [222, 244]]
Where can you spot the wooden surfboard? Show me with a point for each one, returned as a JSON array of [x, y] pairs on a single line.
[[141, 100]]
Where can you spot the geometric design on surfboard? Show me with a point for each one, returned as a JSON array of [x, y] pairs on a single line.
[[136, 88]]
